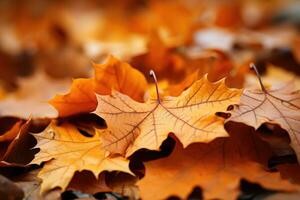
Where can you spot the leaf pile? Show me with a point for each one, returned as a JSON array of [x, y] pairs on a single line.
[[178, 100]]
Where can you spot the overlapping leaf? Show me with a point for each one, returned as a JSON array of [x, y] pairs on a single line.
[[191, 117], [280, 106], [113, 74], [185, 41], [67, 152]]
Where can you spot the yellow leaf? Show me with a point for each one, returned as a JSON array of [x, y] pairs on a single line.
[[67, 152], [191, 117]]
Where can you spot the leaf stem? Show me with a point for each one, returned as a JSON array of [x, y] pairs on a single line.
[[252, 66], [156, 85]]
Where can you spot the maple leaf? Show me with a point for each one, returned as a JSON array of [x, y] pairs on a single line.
[[67, 152], [191, 116], [113, 74], [217, 167], [279, 106]]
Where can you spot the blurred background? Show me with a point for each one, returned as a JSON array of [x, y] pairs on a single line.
[[64, 37]]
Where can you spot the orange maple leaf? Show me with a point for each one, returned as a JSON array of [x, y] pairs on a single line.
[[113, 74], [191, 116]]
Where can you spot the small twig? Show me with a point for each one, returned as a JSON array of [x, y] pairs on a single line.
[[156, 85], [252, 66]]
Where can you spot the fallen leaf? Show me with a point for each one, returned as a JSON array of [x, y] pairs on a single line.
[[279, 106], [191, 116], [80, 99], [67, 151], [113, 74], [181, 41], [120, 76], [217, 167]]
